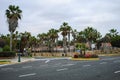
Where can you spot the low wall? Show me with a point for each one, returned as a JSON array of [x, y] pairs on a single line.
[[70, 54], [52, 54]]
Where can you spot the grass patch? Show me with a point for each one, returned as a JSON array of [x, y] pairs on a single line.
[[4, 62]]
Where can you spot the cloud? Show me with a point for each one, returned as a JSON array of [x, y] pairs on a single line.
[[41, 15]]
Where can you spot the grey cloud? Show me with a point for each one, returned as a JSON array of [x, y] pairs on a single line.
[[41, 15]]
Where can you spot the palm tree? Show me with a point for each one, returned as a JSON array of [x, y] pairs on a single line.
[[113, 33], [43, 38], [74, 35], [25, 38], [64, 32], [91, 35], [69, 31], [53, 35], [13, 14]]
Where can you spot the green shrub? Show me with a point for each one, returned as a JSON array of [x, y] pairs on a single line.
[[6, 48], [7, 54], [1, 49]]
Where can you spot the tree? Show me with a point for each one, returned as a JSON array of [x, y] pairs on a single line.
[[113, 33], [81, 37], [25, 39], [114, 38], [53, 36], [69, 31], [13, 14], [91, 35], [74, 34], [64, 31], [43, 39]]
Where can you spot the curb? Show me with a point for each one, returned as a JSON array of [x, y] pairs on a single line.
[[109, 54], [85, 59], [2, 63]]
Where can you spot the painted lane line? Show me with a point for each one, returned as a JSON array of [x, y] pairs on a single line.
[[103, 63], [68, 64], [26, 66], [5, 69], [47, 61], [86, 65], [62, 69], [3, 65], [117, 72], [25, 75]]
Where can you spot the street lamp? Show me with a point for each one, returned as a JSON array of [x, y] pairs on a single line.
[[19, 54]]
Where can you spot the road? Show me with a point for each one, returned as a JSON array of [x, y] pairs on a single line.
[[108, 68]]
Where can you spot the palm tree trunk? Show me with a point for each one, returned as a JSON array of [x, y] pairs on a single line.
[[11, 41], [69, 41], [56, 44], [64, 45]]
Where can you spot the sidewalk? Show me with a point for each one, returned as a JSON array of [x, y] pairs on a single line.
[[15, 60]]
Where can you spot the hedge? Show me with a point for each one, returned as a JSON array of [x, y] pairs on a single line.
[[7, 54]]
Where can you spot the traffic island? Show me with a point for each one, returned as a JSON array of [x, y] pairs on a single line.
[[85, 59], [85, 56]]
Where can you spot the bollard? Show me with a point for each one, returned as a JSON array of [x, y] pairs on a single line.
[[19, 60]]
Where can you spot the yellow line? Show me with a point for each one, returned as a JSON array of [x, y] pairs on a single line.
[[85, 59]]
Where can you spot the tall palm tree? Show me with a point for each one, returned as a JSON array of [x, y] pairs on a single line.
[[64, 32], [74, 35], [13, 14], [53, 35], [69, 31]]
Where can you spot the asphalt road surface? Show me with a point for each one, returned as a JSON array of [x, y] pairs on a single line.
[[108, 68]]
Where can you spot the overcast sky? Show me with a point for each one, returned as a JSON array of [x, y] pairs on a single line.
[[41, 15]]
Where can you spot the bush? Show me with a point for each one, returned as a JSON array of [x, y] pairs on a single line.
[[94, 56], [6, 48], [75, 56], [7, 54], [88, 55], [81, 55]]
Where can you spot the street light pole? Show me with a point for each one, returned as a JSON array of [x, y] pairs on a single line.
[[19, 55]]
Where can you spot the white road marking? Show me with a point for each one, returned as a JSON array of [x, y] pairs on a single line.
[[25, 75], [103, 63], [5, 69], [47, 61], [117, 72], [68, 64], [62, 69], [86, 65], [26, 66], [3, 65]]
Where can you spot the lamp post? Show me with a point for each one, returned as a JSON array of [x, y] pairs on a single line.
[[19, 55]]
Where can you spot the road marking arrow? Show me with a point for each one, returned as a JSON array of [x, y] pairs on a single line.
[[62, 69], [47, 61], [25, 75], [117, 72]]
